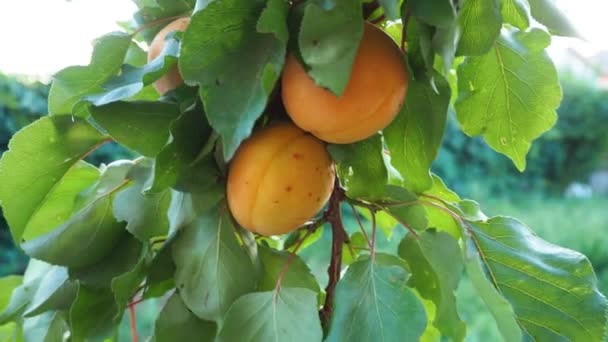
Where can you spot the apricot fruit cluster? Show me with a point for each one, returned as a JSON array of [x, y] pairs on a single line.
[[282, 175]]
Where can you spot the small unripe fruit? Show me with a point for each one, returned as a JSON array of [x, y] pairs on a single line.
[[279, 178], [372, 98], [172, 79]]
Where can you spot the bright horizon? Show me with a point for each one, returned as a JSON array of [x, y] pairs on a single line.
[[61, 32]]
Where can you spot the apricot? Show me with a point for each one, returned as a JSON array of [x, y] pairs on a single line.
[[279, 178], [172, 79], [373, 96]]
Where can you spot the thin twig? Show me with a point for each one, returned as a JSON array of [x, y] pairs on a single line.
[[133, 318], [372, 251], [334, 217], [356, 214], [310, 229]]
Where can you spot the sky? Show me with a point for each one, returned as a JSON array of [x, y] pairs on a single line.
[[40, 37]]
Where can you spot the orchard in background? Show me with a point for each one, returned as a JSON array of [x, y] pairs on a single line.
[[257, 123]]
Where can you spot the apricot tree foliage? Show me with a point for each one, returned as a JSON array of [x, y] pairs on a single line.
[[104, 238]]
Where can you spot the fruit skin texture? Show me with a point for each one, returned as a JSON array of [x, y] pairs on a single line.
[[279, 178], [372, 98], [172, 79]]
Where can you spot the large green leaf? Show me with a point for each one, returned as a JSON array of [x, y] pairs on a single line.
[[361, 167], [189, 134], [480, 21], [510, 94], [436, 265], [91, 231], [373, 302], [414, 137], [288, 315], [39, 157], [440, 13], [7, 285], [55, 292], [70, 85], [552, 290], [59, 203], [145, 214], [410, 214], [141, 126], [235, 51], [132, 80], [548, 13], [48, 327], [86, 326], [516, 13], [392, 8], [22, 295], [176, 323], [212, 269], [297, 275], [328, 40]]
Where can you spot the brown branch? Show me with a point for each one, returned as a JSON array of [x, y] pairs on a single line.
[[339, 236]]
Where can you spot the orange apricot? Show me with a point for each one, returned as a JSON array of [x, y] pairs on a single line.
[[373, 96], [279, 178], [172, 79]]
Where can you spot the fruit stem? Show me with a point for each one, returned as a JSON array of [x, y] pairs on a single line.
[[372, 250], [339, 237]]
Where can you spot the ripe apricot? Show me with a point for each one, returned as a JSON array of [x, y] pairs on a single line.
[[279, 178], [372, 98], [172, 79]]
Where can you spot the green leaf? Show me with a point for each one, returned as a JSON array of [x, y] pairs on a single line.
[[516, 13], [212, 269], [373, 302], [22, 295], [438, 218], [552, 290], [132, 80], [420, 56], [38, 158], [145, 214], [328, 41], [123, 257], [480, 21], [152, 10], [392, 9], [510, 94], [445, 43], [71, 243], [189, 133], [48, 327], [289, 315], [235, 51], [436, 264], [141, 126], [70, 85], [548, 14], [440, 13], [297, 275], [7, 285], [414, 137], [126, 285], [176, 323], [410, 214], [86, 326], [361, 167], [61, 200], [55, 292]]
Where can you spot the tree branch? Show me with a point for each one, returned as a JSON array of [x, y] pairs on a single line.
[[339, 237]]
